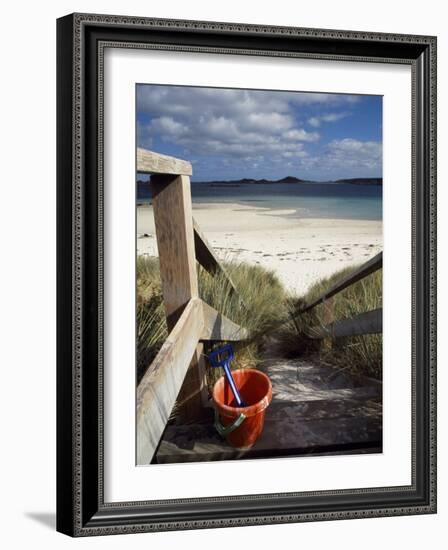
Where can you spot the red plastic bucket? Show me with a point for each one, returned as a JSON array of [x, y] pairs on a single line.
[[242, 426]]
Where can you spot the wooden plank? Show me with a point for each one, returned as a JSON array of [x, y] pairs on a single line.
[[291, 429], [175, 240], [372, 265], [159, 387], [370, 322], [365, 269], [174, 232], [193, 396], [207, 258], [218, 327], [149, 162], [312, 412]]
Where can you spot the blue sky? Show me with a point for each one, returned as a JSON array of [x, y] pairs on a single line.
[[233, 134]]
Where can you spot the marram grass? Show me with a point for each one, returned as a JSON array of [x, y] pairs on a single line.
[[355, 354], [263, 306], [257, 306]]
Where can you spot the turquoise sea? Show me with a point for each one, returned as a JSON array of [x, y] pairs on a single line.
[[310, 200]]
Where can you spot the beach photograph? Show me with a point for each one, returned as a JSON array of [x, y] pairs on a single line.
[[259, 242]]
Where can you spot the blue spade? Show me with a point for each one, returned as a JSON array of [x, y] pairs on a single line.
[[222, 357]]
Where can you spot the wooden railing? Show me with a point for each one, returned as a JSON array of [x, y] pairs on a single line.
[[178, 370], [370, 322]]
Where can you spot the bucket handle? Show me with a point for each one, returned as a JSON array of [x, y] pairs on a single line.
[[226, 430]]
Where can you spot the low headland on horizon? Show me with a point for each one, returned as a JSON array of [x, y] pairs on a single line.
[[143, 186], [293, 179]]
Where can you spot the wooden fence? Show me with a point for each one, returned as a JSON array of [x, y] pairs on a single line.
[[369, 322], [178, 371]]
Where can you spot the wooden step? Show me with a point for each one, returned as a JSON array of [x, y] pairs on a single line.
[[316, 409], [291, 429], [301, 381]]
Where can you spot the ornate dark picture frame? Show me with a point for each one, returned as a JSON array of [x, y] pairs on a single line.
[[81, 509]]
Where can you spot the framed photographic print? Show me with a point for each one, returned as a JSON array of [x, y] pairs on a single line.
[[246, 274]]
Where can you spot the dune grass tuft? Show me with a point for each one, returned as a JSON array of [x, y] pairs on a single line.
[[355, 354], [263, 306], [151, 325], [256, 306]]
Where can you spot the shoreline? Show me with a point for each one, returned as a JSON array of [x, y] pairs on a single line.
[[299, 250]]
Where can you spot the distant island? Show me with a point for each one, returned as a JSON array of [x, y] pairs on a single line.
[[292, 180], [144, 188], [243, 181]]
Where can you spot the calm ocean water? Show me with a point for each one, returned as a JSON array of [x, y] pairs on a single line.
[[314, 200]]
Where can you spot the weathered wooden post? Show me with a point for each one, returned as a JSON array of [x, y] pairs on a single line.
[[175, 241], [177, 373]]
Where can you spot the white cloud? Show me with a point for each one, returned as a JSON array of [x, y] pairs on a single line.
[[316, 121], [260, 129], [356, 148], [294, 154], [222, 121], [178, 100], [301, 135], [262, 121], [349, 156], [167, 125]]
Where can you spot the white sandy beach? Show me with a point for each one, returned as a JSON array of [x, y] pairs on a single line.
[[299, 250]]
